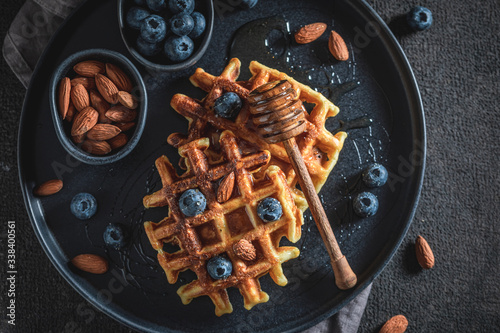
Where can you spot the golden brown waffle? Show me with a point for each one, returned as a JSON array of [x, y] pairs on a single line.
[[222, 225], [320, 149]]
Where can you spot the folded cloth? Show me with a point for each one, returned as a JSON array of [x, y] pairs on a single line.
[[24, 43]]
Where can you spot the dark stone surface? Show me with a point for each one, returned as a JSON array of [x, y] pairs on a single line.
[[456, 63]]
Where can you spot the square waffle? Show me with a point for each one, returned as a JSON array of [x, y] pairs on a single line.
[[319, 148], [223, 224]]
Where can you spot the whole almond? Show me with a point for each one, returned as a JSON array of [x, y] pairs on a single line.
[[89, 68], [118, 141], [100, 105], [84, 121], [90, 263], [337, 47], [244, 250], [119, 78], [64, 96], [107, 88], [121, 114], [80, 97], [101, 132], [226, 188], [96, 147], [309, 33], [125, 126], [48, 188], [71, 112], [87, 82], [79, 138], [127, 100], [424, 253], [396, 324]]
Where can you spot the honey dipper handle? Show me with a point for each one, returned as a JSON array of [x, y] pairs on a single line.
[[344, 276]]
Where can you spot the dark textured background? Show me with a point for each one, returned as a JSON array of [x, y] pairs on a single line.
[[457, 66]]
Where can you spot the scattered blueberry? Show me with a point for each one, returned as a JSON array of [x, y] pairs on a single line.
[[181, 24], [199, 25], [83, 206], [247, 4], [419, 18], [153, 29], [228, 105], [114, 236], [269, 210], [140, 2], [375, 175], [178, 48], [219, 267], [365, 204], [148, 49], [156, 5], [192, 202], [135, 16], [181, 6]]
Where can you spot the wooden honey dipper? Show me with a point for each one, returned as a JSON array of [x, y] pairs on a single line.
[[278, 115]]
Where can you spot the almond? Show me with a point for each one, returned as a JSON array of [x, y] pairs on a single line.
[[125, 126], [71, 112], [100, 105], [127, 100], [337, 47], [89, 68], [96, 147], [107, 88], [64, 96], [244, 250], [80, 97], [118, 141], [121, 114], [87, 82], [101, 132], [90, 263], [226, 188], [79, 138], [310, 33], [396, 324], [119, 78], [84, 121], [48, 188], [424, 253]]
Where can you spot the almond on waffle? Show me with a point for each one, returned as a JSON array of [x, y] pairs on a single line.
[[319, 148], [221, 227]]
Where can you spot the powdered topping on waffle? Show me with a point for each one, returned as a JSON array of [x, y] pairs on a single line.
[[319, 148], [231, 229]]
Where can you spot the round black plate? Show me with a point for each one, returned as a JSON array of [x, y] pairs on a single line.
[[135, 290]]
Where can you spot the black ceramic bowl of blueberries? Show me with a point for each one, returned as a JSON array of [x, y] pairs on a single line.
[[166, 35]]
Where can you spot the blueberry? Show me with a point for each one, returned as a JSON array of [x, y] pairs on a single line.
[[192, 202], [419, 18], [365, 204], [181, 24], [135, 16], [199, 25], [181, 6], [148, 49], [375, 175], [140, 2], [228, 105], [114, 236], [219, 267], [153, 29], [269, 210], [247, 4], [156, 5], [83, 206], [178, 49]]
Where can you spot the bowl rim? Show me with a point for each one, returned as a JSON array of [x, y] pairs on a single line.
[[62, 70], [174, 67]]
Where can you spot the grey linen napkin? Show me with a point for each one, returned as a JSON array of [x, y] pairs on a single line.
[[25, 41]]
